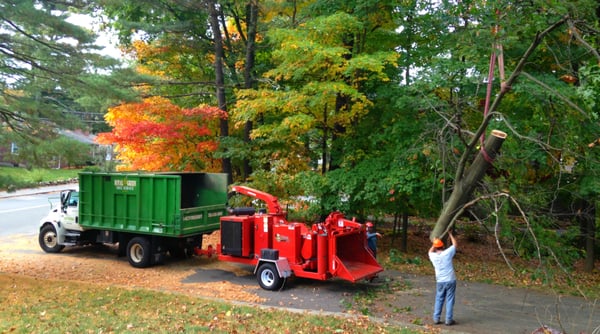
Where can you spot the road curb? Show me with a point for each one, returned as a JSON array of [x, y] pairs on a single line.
[[39, 190]]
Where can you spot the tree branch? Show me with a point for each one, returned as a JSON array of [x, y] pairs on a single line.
[[515, 203], [180, 95], [504, 89], [562, 97], [37, 40], [573, 30]]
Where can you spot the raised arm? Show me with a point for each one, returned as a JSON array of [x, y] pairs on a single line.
[[452, 239]]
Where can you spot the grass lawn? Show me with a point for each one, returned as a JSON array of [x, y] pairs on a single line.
[[12, 178], [32, 305]]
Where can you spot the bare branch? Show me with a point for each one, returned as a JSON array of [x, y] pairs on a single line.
[[184, 83], [573, 30], [180, 95], [565, 271], [515, 203], [562, 97], [496, 228]]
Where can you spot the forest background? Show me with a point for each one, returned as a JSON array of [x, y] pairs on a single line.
[[373, 108]]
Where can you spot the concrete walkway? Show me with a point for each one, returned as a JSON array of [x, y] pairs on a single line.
[[495, 309]]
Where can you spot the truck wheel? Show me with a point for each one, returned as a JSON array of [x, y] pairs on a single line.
[[48, 240], [139, 252], [268, 277]]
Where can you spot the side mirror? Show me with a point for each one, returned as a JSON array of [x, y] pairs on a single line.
[[64, 200]]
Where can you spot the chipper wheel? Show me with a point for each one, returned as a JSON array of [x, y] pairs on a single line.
[[268, 277]]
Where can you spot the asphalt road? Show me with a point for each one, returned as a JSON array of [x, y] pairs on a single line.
[[479, 308], [22, 210], [297, 293], [20, 215]]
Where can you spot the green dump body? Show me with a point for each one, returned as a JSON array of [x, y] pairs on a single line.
[[162, 204]]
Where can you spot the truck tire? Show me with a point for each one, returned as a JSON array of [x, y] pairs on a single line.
[[139, 252], [268, 277], [49, 240]]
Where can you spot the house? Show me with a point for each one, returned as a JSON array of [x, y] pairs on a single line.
[[10, 150]]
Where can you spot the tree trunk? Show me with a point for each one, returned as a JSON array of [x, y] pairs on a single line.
[[590, 238], [404, 243], [251, 22], [464, 186], [324, 143], [220, 80]]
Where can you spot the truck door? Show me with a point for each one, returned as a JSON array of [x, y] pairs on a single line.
[[70, 210]]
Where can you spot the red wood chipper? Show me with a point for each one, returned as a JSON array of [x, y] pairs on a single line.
[[279, 249]]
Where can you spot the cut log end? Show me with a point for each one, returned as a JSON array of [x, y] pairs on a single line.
[[499, 134]]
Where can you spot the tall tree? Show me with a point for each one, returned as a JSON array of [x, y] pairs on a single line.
[[252, 13], [51, 69], [214, 35], [214, 12]]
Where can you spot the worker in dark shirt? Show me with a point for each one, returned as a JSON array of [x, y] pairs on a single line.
[[372, 238]]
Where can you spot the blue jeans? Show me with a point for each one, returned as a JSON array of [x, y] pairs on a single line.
[[444, 292]]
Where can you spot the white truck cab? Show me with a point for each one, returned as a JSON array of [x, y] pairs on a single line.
[[60, 223]]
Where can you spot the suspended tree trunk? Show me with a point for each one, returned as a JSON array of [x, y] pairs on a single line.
[[463, 187], [467, 179], [213, 12]]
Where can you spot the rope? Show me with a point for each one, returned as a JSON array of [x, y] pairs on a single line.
[[496, 53]]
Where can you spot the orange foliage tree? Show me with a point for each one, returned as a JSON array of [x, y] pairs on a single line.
[[156, 135]]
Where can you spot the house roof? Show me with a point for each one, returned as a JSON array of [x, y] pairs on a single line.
[[79, 136]]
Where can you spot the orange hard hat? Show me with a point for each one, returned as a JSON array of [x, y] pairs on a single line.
[[437, 243], [369, 224]]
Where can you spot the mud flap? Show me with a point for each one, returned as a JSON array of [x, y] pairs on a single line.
[[282, 265]]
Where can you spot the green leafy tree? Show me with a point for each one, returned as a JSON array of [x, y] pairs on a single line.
[[535, 101], [316, 93]]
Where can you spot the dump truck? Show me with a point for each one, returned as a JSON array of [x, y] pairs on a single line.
[[149, 215], [278, 249]]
